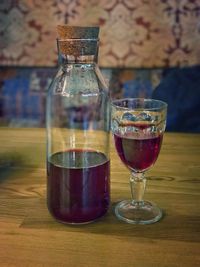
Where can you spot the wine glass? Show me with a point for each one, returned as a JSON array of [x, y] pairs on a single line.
[[138, 125]]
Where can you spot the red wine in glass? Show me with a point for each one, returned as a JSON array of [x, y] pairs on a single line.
[[78, 185], [138, 125], [138, 153]]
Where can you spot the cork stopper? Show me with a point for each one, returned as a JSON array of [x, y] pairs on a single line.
[[77, 32], [77, 41]]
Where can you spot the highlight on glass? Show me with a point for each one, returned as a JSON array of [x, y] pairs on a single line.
[[138, 126]]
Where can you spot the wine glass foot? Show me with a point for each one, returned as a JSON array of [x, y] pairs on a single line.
[[143, 212]]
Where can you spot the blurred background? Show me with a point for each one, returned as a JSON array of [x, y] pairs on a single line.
[[148, 48]]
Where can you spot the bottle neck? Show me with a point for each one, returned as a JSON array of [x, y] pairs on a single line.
[[77, 51]]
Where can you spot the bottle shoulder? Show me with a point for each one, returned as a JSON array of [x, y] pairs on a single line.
[[73, 79]]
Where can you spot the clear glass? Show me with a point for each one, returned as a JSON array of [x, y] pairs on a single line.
[[78, 124], [138, 126]]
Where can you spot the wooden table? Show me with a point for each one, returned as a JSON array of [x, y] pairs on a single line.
[[29, 236]]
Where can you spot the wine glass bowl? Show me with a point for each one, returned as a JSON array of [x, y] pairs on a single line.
[[138, 125]]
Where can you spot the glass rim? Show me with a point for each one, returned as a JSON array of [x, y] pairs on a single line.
[[77, 39], [162, 106]]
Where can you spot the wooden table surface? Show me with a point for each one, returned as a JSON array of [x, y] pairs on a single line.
[[29, 236]]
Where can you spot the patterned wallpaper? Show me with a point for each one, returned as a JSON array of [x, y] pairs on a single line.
[[134, 33]]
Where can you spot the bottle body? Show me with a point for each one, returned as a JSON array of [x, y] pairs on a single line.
[[78, 124]]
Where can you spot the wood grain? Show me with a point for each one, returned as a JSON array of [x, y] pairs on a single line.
[[29, 236]]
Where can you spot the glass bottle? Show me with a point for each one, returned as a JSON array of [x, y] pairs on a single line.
[[78, 124]]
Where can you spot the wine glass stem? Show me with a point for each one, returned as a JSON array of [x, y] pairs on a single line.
[[138, 184]]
